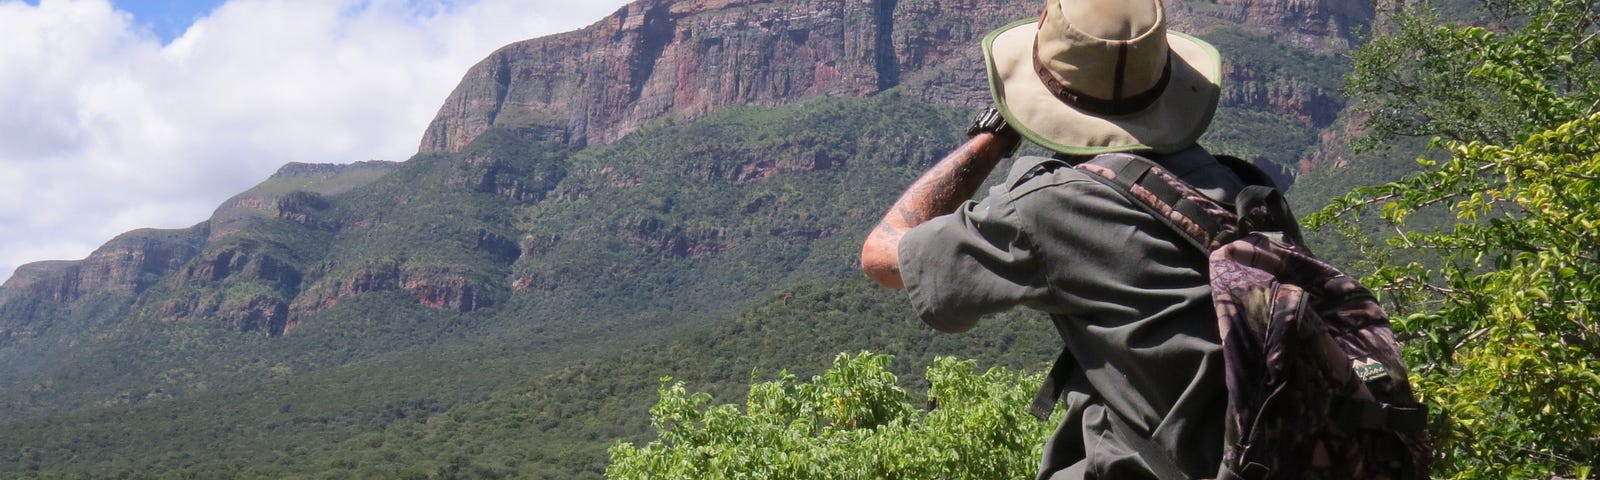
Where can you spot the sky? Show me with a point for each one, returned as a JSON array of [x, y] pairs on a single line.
[[120, 115]]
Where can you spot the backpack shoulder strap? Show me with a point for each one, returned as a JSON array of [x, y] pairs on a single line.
[[1201, 221]]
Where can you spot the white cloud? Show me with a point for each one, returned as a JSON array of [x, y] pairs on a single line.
[[103, 129]]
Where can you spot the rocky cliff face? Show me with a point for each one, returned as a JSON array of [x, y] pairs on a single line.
[[128, 264], [1319, 25], [657, 58], [296, 192], [683, 59], [206, 254], [433, 287]]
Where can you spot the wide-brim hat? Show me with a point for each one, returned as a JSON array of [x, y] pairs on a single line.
[[1100, 76]]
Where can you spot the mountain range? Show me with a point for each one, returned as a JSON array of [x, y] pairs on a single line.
[[676, 190]]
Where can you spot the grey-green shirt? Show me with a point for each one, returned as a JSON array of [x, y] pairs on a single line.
[[1129, 295]]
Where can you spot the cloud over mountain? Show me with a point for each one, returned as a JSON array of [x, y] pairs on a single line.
[[103, 128]]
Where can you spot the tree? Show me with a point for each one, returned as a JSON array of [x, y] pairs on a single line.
[[1499, 312], [1532, 68], [851, 422]]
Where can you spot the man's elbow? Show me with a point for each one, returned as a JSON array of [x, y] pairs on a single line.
[[881, 264]]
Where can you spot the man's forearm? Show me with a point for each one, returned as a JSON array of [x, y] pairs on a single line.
[[940, 191]]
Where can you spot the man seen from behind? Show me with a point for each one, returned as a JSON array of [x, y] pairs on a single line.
[[1142, 387]]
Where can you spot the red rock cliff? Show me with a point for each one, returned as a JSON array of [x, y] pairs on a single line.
[[682, 59]]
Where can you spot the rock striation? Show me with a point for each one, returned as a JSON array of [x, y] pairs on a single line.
[[38, 293], [203, 257], [680, 60]]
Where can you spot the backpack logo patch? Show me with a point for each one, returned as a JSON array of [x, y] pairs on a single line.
[[1369, 369]]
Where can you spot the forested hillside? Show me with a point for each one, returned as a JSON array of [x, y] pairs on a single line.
[[757, 202]]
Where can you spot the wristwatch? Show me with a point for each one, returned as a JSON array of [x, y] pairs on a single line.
[[990, 120]]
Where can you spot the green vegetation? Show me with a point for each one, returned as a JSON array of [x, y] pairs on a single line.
[[1428, 78], [1500, 319], [380, 386], [651, 218], [852, 421], [464, 404]]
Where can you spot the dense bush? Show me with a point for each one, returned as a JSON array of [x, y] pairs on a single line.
[[1500, 313], [851, 422]]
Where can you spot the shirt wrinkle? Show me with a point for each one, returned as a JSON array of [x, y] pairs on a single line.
[[1124, 289]]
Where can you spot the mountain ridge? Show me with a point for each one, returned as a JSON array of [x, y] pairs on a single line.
[[690, 58]]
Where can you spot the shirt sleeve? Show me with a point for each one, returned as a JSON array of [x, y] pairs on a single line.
[[975, 261]]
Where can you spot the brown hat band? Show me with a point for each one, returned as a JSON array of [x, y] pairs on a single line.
[[1119, 105]]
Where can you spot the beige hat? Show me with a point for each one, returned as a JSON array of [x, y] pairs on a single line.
[[1096, 76]]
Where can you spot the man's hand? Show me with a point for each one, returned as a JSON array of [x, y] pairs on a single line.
[[940, 191]]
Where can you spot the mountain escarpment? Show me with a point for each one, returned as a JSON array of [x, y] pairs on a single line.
[[299, 244], [681, 60]]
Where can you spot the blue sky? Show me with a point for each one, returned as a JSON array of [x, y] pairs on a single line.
[[167, 18], [117, 115]]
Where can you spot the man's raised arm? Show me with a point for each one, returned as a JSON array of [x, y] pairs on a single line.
[[940, 191]]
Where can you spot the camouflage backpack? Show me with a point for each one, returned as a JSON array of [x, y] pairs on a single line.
[[1316, 385]]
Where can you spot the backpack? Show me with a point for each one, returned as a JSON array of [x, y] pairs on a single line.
[[1316, 385]]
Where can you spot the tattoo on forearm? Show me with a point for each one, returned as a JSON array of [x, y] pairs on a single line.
[[951, 181], [907, 215], [944, 187]]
